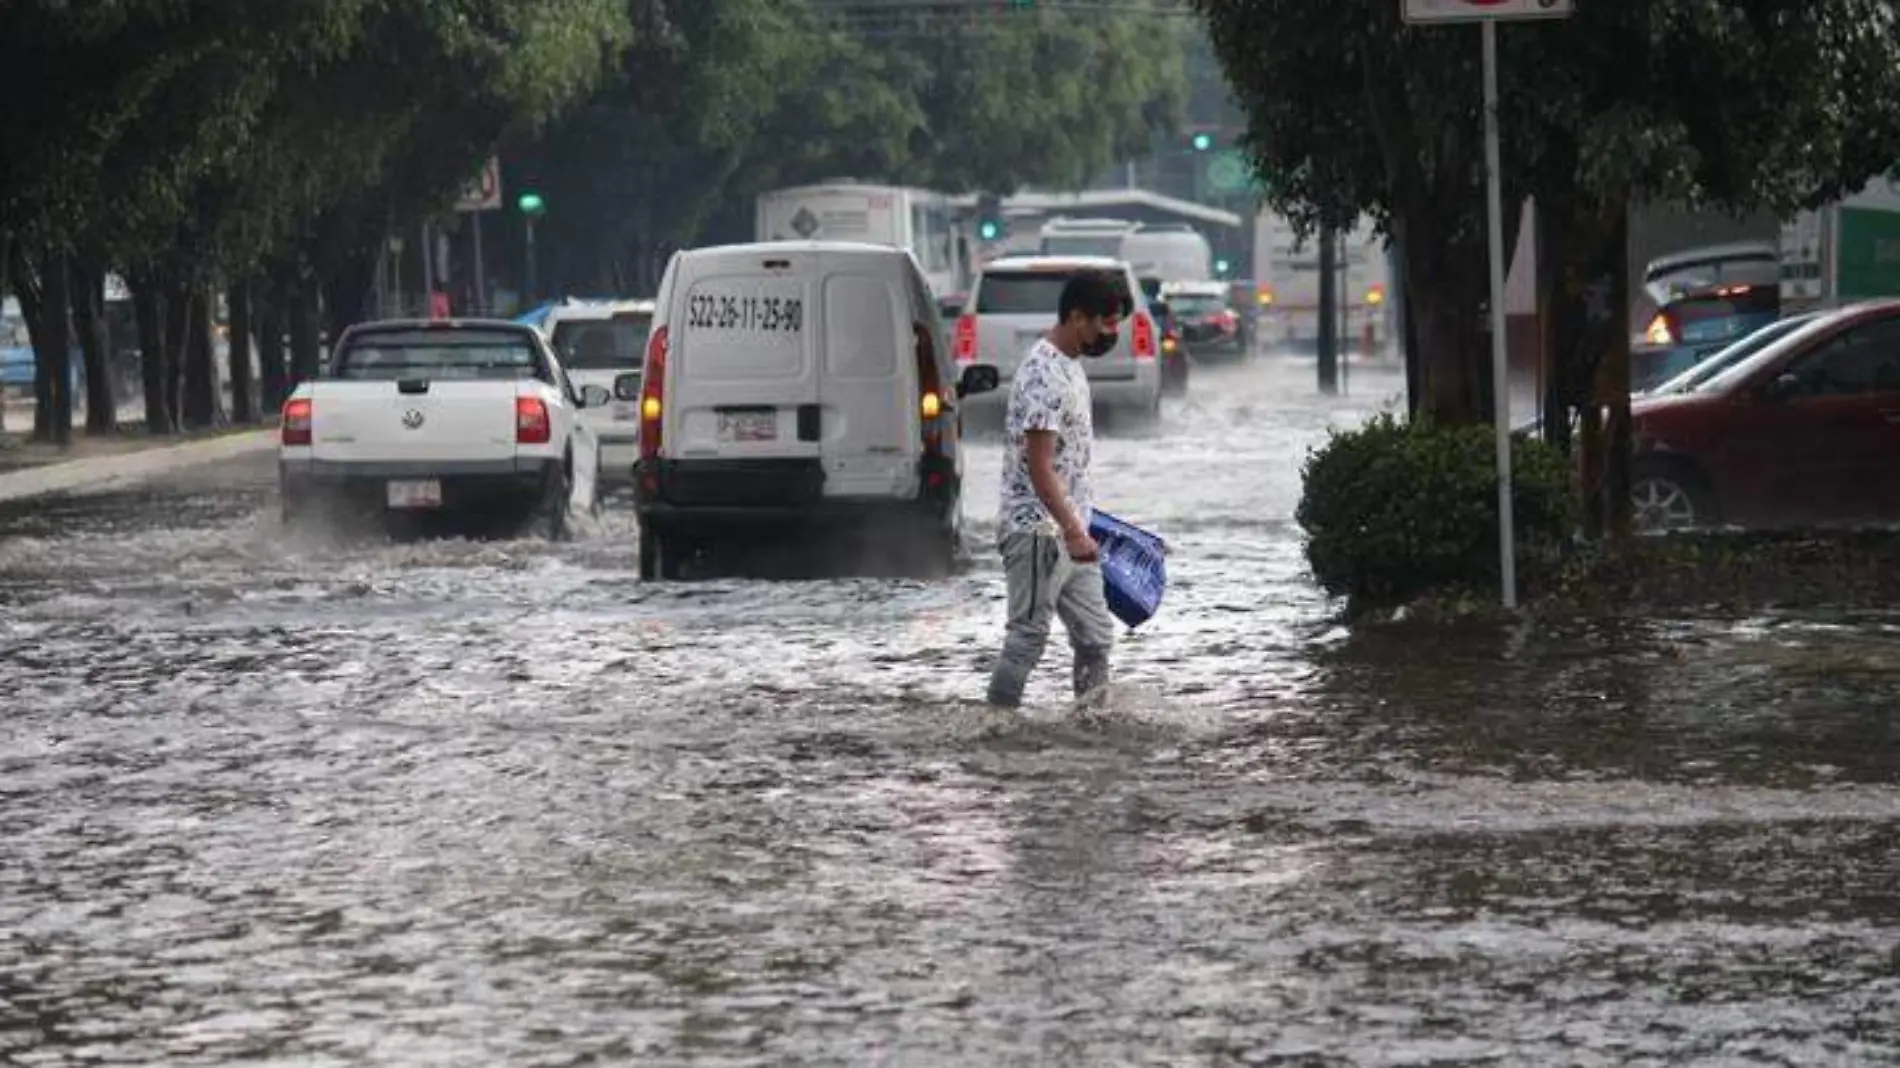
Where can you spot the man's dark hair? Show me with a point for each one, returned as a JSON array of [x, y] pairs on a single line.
[[1093, 293]]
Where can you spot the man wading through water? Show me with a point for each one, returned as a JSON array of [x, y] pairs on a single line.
[[1052, 565]]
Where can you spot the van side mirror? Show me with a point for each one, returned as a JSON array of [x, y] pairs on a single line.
[[1784, 388], [595, 396], [627, 386], [979, 378]]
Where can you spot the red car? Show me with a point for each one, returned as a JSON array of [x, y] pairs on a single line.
[[1804, 432]]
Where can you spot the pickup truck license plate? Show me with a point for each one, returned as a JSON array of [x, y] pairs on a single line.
[[425, 493], [738, 427]]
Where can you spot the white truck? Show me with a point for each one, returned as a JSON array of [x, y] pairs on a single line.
[[1843, 252], [922, 221], [422, 417]]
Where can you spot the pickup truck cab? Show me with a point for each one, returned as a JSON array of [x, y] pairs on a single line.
[[420, 417]]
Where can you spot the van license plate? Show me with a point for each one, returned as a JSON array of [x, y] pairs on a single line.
[[423, 494], [742, 427], [626, 412]]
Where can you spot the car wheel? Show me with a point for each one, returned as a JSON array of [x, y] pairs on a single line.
[[550, 518], [1666, 497], [661, 557]]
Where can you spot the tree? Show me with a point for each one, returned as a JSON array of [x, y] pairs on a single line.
[[1738, 105], [730, 98]]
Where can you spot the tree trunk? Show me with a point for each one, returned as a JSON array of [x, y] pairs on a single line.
[[53, 352], [89, 317], [273, 369], [1620, 445], [347, 293], [243, 388], [201, 365], [148, 310], [178, 326], [305, 349]]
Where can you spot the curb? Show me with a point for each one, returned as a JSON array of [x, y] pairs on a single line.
[[98, 473]]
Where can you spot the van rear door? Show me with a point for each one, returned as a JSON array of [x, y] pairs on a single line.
[[872, 434], [742, 378]]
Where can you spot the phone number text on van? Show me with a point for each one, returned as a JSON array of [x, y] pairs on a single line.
[[764, 314]]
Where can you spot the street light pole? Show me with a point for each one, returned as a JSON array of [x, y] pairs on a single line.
[[534, 282]]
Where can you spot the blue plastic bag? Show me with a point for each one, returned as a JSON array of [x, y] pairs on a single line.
[[1134, 568]]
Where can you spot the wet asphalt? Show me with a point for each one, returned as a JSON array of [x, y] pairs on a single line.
[[270, 798]]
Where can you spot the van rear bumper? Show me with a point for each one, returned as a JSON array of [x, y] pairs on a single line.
[[695, 497]]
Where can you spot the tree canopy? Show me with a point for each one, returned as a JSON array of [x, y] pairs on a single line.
[[752, 95], [1740, 105]]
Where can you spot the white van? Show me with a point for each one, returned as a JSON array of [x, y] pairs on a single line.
[[800, 384]]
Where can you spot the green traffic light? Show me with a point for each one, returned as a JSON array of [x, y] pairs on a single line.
[[990, 230], [1203, 142], [531, 204], [1221, 266]]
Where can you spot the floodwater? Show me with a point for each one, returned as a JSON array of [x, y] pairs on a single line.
[[269, 799]]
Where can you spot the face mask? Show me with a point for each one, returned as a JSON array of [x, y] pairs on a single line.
[[1102, 345]]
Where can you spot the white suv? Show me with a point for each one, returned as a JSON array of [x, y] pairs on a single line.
[[599, 342], [1014, 302]]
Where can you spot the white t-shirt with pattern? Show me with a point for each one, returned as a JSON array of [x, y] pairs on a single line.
[[1050, 392]]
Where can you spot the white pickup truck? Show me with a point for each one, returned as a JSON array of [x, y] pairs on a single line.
[[422, 417]]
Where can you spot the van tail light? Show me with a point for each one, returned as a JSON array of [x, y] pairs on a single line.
[[966, 338], [532, 426], [296, 421], [1146, 347], [1660, 331], [653, 395], [932, 404]]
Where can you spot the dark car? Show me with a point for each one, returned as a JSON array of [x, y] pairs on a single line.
[[1698, 324], [1175, 360], [1806, 431], [1208, 322]]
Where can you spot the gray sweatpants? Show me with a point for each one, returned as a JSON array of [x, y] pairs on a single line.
[[1044, 582]]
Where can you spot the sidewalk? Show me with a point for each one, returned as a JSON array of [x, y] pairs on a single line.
[[94, 464]]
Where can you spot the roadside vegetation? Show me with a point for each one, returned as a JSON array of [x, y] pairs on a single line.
[[219, 154]]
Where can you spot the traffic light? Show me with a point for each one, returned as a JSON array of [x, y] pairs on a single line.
[[1375, 295], [990, 225], [1221, 267], [1203, 142], [531, 204]]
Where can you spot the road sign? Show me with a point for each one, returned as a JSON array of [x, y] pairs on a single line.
[[1441, 11], [484, 193]]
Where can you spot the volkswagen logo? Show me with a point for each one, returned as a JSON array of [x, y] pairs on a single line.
[[412, 419]]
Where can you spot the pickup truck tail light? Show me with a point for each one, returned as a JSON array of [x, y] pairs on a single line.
[[296, 421], [966, 338], [532, 426], [653, 396], [1144, 330]]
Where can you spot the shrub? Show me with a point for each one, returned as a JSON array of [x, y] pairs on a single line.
[[1394, 511]]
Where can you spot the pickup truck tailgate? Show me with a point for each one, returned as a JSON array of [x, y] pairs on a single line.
[[369, 421]]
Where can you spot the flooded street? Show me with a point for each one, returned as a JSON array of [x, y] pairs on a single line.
[[266, 799]]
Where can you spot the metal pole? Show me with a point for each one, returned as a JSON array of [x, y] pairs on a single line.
[[481, 278], [428, 268], [534, 283], [1500, 369], [1328, 312]]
